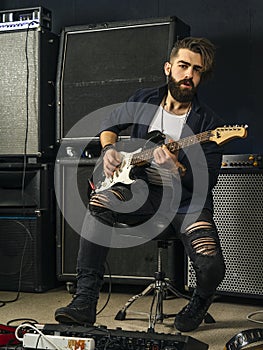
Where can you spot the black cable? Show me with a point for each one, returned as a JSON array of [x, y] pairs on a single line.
[[27, 94], [38, 339], [3, 302], [27, 320], [109, 291], [27, 117], [24, 155]]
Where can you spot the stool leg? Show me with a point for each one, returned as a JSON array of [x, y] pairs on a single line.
[[160, 292], [159, 299], [122, 313]]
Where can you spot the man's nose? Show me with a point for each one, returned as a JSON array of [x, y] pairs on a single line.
[[189, 73]]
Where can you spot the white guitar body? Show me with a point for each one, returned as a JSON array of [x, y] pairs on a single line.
[[121, 174]]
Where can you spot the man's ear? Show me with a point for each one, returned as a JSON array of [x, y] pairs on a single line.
[[167, 68]]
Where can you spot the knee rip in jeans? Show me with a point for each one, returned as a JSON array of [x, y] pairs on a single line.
[[203, 244], [101, 200]]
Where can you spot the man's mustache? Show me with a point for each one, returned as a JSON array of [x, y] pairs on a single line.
[[186, 81]]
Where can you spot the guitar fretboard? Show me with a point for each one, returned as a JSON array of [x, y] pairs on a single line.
[[147, 154]]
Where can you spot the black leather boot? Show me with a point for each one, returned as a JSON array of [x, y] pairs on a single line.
[[80, 311], [192, 315]]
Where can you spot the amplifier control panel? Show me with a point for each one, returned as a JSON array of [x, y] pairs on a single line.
[[242, 161], [28, 18]]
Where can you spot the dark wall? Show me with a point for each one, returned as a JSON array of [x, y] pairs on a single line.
[[235, 26]]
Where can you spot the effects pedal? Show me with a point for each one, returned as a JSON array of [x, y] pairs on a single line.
[[54, 342]]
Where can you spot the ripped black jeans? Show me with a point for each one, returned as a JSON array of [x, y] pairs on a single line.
[[202, 246], [197, 231]]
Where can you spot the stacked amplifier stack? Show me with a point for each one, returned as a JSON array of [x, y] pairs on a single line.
[[27, 149], [27, 86]]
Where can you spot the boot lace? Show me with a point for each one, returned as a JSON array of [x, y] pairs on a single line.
[[197, 307]]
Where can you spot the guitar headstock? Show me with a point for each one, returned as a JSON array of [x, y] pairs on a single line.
[[227, 133]]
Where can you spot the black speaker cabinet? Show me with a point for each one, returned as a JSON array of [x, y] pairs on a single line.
[[238, 203], [27, 226], [28, 62], [102, 65], [134, 265]]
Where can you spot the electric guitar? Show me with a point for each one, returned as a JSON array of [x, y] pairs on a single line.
[[141, 157]]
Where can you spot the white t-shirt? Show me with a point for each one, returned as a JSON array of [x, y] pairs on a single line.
[[171, 125], [168, 123]]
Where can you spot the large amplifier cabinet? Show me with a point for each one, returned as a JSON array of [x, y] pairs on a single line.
[[28, 62], [102, 65], [27, 225], [135, 265], [238, 204]]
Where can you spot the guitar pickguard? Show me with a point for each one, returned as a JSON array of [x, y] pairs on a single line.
[[121, 174]]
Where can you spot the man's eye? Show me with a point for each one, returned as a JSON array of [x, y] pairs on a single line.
[[197, 69]]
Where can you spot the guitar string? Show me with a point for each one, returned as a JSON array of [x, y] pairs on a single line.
[[187, 141]]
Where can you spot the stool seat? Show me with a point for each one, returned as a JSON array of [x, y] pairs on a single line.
[[165, 228]]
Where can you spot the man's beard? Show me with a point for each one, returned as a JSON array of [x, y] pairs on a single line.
[[178, 93]]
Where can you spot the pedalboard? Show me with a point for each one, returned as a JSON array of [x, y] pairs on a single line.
[[120, 339]]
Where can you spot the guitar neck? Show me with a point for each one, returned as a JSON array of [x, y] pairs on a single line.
[[147, 155]]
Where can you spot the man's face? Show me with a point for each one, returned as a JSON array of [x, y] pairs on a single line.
[[184, 75]]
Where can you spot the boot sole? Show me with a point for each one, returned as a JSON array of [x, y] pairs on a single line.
[[66, 319]]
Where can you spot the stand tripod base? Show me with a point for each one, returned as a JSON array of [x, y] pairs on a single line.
[[160, 287]]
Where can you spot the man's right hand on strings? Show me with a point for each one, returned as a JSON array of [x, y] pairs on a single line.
[[111, 161]]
